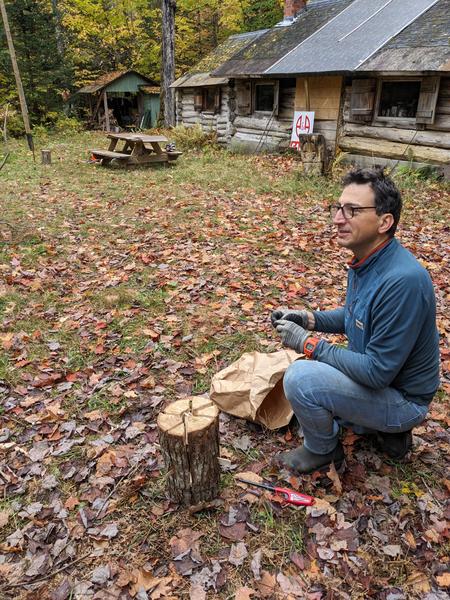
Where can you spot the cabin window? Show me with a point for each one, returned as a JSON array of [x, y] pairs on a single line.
[[264, 96], [398, 99], [209, 99]]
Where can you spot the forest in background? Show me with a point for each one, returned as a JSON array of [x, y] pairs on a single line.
[[64, 44]]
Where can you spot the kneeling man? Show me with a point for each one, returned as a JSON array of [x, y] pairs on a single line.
[[385, 379]]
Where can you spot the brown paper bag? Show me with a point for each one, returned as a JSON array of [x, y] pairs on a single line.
[[252, 388]]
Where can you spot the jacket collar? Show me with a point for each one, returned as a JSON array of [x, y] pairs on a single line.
[[370, 258]]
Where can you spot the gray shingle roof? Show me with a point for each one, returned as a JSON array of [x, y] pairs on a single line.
[[350, 38], [263, 52], [422, 46]]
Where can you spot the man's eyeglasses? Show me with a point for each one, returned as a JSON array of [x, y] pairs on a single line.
[[348, 211]]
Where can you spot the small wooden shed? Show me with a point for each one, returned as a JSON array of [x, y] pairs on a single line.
[[124, 99]]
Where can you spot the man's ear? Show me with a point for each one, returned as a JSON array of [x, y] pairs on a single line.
[[386, 222]]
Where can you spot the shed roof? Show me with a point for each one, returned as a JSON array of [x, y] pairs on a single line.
[[200, 74], [422, 46], [351, 37], [108, 78]]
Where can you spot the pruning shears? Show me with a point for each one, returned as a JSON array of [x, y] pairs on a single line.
[[288, 496]]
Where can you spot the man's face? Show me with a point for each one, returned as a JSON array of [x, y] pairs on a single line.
[[365, 230]]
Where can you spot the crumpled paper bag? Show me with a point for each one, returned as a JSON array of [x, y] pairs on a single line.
[[252, 388]]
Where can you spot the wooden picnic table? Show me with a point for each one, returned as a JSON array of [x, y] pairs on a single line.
[[138, 149]]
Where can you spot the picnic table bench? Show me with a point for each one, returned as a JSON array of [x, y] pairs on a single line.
[[138, 149]]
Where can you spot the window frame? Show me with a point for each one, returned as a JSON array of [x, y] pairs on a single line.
[[276, 95], [378, 119], [205, 90]]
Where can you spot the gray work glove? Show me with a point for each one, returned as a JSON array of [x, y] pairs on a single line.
[[292, 335], [300, 317]]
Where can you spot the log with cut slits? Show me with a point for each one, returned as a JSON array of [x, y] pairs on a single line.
[[189, 438]]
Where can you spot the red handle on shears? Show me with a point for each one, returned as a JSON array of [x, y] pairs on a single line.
[[289, 496], [294, 497]]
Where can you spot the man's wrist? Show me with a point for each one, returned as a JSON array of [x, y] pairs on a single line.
[[309, 346]]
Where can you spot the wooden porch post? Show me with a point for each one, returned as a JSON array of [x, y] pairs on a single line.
[[105, 104], [307, 100]]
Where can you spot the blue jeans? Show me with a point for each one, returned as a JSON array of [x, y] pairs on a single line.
[[323, 398]]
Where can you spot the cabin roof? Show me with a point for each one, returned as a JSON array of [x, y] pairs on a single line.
[[200, 74], [422, 46], [108, 78], [344, 36], [277, 42]]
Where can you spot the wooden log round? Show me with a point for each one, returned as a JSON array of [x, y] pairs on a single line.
[[46, 157], [189, 438]]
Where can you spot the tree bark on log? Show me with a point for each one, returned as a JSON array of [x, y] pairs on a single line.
[[386, 149], [189, 438]]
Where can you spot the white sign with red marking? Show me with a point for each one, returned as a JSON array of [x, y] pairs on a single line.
[[303, 125]]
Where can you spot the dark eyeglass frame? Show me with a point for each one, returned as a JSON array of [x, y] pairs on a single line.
[[348, 211]]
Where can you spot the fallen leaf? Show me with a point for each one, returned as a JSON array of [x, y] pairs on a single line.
[[244, 593], [290, 585], [238, 554], [392, 550], [443, 580], [418, 582], [4, 517], [334, 477], [255, 564], [266, 586]]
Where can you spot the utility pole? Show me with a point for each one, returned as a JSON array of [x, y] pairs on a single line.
[[12, 54]]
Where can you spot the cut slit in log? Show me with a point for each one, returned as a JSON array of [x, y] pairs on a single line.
[[189, 438]]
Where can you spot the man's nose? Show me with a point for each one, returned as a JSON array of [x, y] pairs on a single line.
[[339, 217]]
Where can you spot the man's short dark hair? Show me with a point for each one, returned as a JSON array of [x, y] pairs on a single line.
[[387, 196]]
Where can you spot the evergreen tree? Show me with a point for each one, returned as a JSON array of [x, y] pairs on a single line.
[[44, 77]]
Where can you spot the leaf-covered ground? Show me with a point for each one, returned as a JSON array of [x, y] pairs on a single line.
[[122, 291]]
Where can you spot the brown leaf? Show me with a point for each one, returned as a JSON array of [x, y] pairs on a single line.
[[266, 586], [443, 580], [410, 540], [238, 554], [142, 579], [290, 585], [4, 517], [244, 593], [235, 532], [418, 582], [333, 475]]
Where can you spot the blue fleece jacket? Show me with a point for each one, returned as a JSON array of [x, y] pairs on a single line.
[[390, 322]]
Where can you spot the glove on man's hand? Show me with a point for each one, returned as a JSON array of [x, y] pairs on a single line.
[[299, 317], [292, 335]]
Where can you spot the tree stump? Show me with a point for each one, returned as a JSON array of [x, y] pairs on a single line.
[[46, 157], [189, 438]]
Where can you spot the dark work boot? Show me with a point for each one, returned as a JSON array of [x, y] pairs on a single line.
[[395, 445], [302, 460]]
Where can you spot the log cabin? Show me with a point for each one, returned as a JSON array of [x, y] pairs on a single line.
[[376, 73]]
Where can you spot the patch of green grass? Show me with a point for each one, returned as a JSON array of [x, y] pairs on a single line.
[[11, 304], [282, 534], [103, 400], [8, 373]]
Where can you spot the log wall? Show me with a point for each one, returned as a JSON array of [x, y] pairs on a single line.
[[220, 123], [263, 131], [399, 140], [255, 132]]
